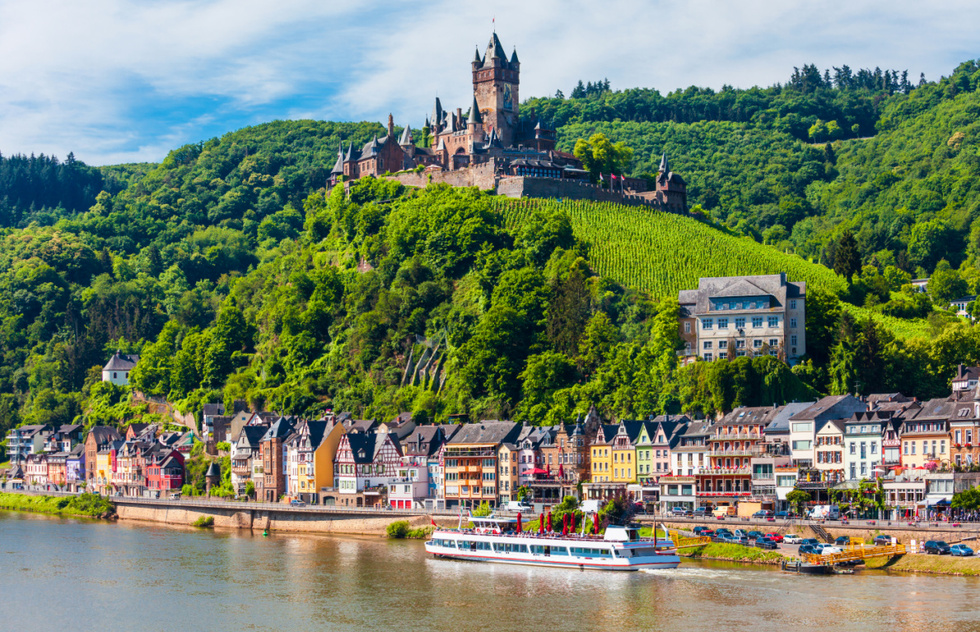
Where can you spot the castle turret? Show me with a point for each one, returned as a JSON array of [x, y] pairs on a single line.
[[496, 84]]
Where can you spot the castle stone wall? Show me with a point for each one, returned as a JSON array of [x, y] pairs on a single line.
[[523, 186]]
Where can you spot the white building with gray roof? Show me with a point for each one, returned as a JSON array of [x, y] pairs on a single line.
[[730, 317]]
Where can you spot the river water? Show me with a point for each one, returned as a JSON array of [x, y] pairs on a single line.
[[59, 574]]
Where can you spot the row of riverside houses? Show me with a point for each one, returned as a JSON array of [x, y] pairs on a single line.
[[142, 459], [748, 458]]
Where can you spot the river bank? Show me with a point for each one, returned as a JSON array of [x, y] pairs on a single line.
[[82, 506]]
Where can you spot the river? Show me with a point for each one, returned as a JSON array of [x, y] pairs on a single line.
[[61, 574]]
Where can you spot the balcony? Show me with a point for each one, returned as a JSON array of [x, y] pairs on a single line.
[[713, 471], [721, 436]]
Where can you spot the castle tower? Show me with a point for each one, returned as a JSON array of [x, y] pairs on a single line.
[[496, 84]]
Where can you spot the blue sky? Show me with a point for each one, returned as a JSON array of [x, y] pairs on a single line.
[[128, 80]]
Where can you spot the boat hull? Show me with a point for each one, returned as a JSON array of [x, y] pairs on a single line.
[[579, 553], [669, 561]]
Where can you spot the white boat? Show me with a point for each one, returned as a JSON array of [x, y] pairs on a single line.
[[495, 539]]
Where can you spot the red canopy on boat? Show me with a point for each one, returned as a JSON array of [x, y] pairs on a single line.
[[541, 523], [549, 523], [519, 529]]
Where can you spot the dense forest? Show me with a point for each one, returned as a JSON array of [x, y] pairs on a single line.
[[236, 276]]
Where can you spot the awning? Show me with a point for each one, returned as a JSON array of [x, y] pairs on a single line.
[[934, 500]]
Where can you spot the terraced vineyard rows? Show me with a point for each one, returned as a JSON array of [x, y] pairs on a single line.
[[663, 253]]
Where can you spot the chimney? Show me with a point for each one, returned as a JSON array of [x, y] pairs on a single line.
[[391, 125]]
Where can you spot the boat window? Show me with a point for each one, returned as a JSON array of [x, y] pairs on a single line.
[[559, 550], [644, 552]]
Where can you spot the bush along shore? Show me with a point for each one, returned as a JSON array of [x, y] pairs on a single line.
[[400, 529], [84, 505]]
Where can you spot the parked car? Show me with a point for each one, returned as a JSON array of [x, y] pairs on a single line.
[[883, 540], [784, 515], [763, 513], [830, 549], [961, 550], [792, 538], [296, 502], [810, 541], [175, 496], [744, 541], [700, 512], [775, 537], [936, 547], [699, 530], [806, 548], [680, 511], [755, 535], [723, 532], [842, 540], [741, 533], [766, 543]]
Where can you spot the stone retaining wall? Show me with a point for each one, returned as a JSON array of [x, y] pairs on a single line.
[[261, 519]]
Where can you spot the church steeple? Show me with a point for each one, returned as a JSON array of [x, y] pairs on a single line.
[[664, 167]]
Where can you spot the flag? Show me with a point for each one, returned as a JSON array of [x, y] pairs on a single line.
[[433, 522]]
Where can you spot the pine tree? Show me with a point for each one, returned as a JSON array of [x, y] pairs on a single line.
[[847, 259]]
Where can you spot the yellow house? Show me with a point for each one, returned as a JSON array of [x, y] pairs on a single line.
[[601, 454], [104, 461], [310, 457]]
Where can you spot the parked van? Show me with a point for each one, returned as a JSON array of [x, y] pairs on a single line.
[[825, 512], [724, 511], [517, 505]]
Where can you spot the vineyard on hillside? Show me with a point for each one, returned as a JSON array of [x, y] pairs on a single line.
[[662, 253]]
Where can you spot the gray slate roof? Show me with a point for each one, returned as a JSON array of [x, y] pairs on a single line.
[[121, 362]]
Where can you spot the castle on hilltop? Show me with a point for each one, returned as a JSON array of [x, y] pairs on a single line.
[[488, 147]]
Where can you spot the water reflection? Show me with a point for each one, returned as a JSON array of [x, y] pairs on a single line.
[[87, 575]]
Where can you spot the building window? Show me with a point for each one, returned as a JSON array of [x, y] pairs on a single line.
[[774, 321], [708, 343], [774, 342], [687, 328], [756, 344], [722, 344], [739, 344], [792, 323], [792, 305], [708, 357], [740, 323], [757, 321], [707, 323], [853, 448], [722, 323]]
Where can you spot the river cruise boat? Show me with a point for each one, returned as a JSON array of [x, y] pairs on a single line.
[[495, 539]]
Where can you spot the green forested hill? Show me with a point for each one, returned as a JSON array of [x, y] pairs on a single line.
[[234, 276]]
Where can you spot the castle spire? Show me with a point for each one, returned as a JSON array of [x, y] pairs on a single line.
[[477, 59], [475, 117], [391, 125], [338, 167], [664, 167]]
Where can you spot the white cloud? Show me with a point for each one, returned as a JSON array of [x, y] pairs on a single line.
[[119, 80]]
